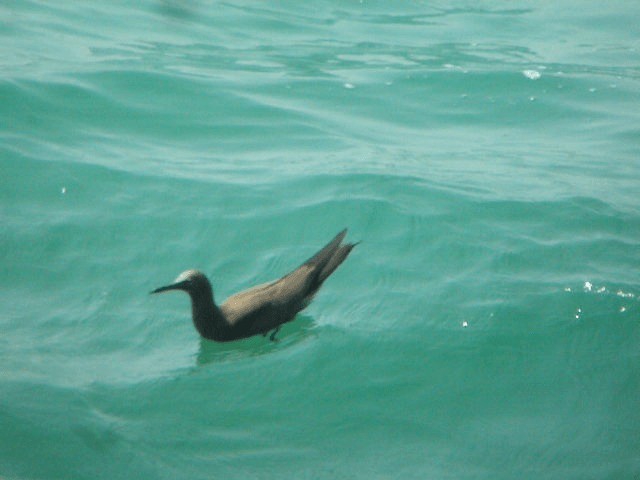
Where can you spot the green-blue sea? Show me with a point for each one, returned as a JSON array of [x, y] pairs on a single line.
[[486, 155]]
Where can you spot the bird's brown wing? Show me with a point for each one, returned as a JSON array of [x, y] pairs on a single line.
[[268, 305]]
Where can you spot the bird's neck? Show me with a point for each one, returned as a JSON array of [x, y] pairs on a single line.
[[207, 317]]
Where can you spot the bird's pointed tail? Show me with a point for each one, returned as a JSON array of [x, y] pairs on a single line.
[[329, 258]]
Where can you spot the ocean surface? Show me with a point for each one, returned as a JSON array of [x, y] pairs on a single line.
[[487, 156]]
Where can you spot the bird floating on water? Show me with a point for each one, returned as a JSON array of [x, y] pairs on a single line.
[[264, 308]]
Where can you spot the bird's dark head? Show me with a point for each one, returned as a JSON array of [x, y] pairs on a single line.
[[194, 282]]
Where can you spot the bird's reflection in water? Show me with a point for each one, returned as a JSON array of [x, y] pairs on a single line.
[[291, 333]]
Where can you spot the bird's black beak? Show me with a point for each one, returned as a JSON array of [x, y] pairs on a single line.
[[173, 286]]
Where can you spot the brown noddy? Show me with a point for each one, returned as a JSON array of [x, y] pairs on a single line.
[[260, 309]]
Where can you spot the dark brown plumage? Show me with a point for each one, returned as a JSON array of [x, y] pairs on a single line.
[[265, 307]]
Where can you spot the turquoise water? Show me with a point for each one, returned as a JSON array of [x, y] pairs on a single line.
[[485, 153]]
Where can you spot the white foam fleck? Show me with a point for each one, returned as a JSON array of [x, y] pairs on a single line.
[[532, 74], [622, 294]]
